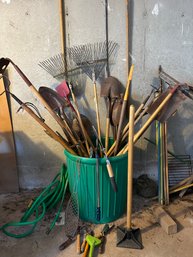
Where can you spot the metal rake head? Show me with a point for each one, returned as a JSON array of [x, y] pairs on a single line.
[[92, 58], [60, 67]]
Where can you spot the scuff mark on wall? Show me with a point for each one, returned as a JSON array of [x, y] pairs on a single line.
[[182, 29], [6, 1], [155, 10]]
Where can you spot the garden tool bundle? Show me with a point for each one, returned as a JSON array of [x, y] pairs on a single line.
[[4, 62]]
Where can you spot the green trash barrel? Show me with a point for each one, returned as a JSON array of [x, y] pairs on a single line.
[[83, 180]]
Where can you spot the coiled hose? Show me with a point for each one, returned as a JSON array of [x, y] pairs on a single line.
[[52, 196]]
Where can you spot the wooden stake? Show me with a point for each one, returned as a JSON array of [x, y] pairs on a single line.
[[130, 166]]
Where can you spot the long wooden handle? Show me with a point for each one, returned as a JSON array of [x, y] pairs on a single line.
[[63, 33], [62, 25], [107, 133], [138, 115], [78, 250], [49, 131], [45, 104], [85, 134], [97, 111], [124, 105], [130, 165], [111, 175]]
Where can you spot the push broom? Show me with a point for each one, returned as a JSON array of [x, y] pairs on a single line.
[[129, 237]]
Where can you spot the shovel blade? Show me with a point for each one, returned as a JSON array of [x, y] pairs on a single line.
[[129, 238]]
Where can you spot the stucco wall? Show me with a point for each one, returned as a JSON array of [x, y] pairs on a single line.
[[30, 33]]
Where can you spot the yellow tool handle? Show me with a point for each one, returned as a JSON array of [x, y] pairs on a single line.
[[86, 250], [107, 134], [78, 246], [97, 111], [130, 165]]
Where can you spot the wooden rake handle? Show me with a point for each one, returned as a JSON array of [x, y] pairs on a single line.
[[97, 111]]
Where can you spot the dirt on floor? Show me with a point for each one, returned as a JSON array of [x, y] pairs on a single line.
[[155, 241]]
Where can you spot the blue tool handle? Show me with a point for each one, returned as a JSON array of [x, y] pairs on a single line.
[[98, 213]]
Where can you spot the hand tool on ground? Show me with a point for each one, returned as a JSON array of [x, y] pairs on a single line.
[[124, 105], [129, 238], [108, 164], [93, 242], [84, 242], [106, 229], [86, 249], [151, 118]]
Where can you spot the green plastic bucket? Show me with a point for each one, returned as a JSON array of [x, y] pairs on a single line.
[[82, 179]]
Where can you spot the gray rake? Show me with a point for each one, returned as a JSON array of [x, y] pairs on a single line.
[[92, 59]]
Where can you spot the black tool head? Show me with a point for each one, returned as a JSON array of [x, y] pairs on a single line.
[[3, 64], [129, 238]]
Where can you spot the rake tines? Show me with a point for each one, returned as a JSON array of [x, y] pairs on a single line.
[[58, 68], [92, 57]]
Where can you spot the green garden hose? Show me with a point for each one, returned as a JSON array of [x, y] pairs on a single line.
[[52, 196]]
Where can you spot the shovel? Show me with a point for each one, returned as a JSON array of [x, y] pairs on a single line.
[[129, 238], [110, 90]]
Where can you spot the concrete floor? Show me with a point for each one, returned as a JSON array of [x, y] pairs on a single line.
[[156, 242]]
